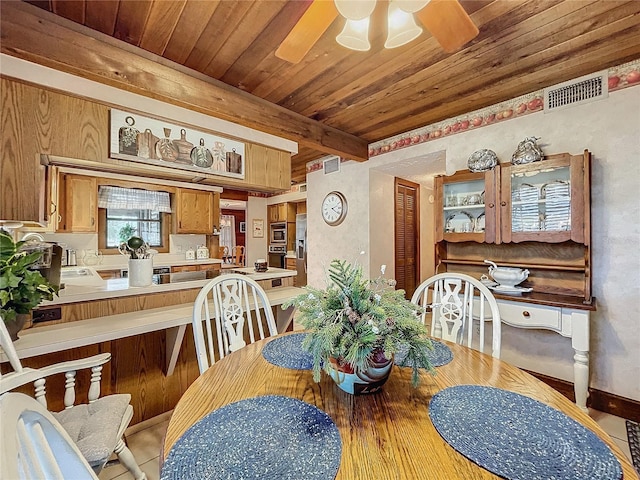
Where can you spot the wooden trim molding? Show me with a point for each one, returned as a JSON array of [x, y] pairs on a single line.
[[598, 399]]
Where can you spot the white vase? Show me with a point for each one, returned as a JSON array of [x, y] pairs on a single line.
[[140, 272]]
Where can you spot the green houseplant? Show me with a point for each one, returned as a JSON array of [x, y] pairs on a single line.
[[356, 322], [21, 289]]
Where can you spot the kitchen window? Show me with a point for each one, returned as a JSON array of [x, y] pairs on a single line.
[[127, 212], [122, 224]]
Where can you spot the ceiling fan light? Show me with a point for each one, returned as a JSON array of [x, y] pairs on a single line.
[[355, 9], [355, 35], [411, 6], [402, 27]]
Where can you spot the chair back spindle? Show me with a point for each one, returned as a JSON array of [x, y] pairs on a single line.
[[241, 310], [453, 303]]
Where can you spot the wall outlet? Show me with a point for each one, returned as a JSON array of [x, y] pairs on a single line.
[[46, 314]]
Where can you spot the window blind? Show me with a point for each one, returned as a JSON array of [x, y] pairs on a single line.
[[133, 199]]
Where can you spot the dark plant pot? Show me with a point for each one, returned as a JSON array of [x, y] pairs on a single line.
[[14, 326], [361, 382]]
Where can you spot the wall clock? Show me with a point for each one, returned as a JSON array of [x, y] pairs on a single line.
[[334, 208]]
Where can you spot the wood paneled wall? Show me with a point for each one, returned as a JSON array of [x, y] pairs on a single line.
[[136, 367], [39, 121], [137, 363]]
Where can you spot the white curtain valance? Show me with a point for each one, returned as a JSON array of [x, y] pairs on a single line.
[[133, 199]]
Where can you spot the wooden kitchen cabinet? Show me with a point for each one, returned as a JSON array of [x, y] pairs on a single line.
[[211, 269], [77, 204], [194, 211], [546, 201], [185, 268], [536, 216], [281, 212], [290, 263], [466, 207]]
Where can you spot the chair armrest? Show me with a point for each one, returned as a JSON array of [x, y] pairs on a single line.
[[75, 365], [13, 380]]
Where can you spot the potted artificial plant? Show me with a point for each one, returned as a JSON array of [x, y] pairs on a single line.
[[356, 327], [21, 288]]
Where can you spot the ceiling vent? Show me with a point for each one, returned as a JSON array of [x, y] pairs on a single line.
[[331, 165], [575, 92]]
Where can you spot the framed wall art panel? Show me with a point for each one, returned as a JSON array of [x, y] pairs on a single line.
[[147, 140], [258, 228]]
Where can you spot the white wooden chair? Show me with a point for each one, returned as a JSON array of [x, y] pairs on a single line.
[[239, 307], [34, 445], [454, 302], [97, 428]]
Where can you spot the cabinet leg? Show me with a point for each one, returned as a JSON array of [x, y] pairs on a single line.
[[581, 378]]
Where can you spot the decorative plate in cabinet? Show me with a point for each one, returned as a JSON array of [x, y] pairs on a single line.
[[459, 222]]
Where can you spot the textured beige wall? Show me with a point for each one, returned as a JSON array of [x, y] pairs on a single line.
[[256, 248], [610, 129], [351, 237]]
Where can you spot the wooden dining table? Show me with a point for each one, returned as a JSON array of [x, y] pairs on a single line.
[[385, 435]]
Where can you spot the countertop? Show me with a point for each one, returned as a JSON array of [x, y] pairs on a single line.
[[113, 288], [268, 275], [159, 263], [90, 286]]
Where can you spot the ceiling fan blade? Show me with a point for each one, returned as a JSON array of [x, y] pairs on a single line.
[[449, 23], [304, 35]]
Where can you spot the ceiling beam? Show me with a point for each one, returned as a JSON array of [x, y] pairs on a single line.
[[35, 35]]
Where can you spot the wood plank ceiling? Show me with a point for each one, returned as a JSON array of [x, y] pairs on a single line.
[[523, 45]]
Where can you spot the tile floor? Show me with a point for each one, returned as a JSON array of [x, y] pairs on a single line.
[[145, 441]]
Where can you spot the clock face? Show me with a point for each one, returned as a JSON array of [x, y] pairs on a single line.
[[334, 208]]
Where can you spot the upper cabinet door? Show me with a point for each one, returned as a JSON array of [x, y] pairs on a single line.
[[546, 201], [77, 204], [194, 211], [466, 207]]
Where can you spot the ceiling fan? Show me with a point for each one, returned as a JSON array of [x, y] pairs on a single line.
[[447, 21]]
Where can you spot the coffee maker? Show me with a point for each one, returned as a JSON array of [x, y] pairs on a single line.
[[50, 260]]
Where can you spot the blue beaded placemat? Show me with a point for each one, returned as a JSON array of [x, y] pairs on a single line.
[[517, 437], [287, 352], [439, 356], [258, 438]]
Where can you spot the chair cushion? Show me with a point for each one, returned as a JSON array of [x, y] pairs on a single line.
[[94, 427]]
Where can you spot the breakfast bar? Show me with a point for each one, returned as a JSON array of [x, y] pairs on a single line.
[[174, 319], [85, 285]]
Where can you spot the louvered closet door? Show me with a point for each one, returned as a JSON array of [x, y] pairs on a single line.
[[407, 215]]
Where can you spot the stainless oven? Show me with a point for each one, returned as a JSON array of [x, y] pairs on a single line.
[[276, 255], [278, 232]]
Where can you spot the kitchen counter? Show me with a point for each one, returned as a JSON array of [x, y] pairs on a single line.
[[47, 339], [159, 262], [113, 288], [270, 274], [90, 286], [84, 284]]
